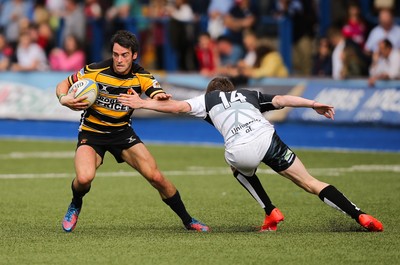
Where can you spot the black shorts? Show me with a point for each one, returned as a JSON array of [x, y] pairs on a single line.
[[279, 156], [113, 143]]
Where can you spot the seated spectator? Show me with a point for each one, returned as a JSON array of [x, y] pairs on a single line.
[[387, 29], [71, 58], [322, 61], [250, 42], [206, 54], [387, 65], [229, 54], [5, 53], [29, 55], [269, 63]]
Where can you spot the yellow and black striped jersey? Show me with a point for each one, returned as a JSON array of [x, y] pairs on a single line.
[[107, 115]]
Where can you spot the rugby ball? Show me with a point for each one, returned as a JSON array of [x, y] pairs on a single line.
[[85, 87]]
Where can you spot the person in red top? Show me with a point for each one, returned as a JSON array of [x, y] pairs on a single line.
[[355, 27], [206, 54]]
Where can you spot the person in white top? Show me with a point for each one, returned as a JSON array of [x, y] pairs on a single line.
[[250, 139], [30, 56], [387, 29], [386, 65]]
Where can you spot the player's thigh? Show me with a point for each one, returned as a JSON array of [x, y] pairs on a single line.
[[140, 158], [297, 173], [86, 162]]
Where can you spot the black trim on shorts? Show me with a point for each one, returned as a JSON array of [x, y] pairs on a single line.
[[114, 143], [279, 156]]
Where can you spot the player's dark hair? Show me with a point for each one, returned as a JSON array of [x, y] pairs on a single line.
[[220, 83], [126, 39]]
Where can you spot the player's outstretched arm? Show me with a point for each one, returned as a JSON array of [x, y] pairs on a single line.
[[171, 106], [68, 99], [281, 101]]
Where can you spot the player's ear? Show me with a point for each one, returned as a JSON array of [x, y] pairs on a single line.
[[134, 56]]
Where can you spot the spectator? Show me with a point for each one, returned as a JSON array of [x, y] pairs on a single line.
[[229, 54], [241, 17], [304, 19], [182, 34], [74, 21], [269, 63], [387, 65], [71, 58], [5, 53], [387, 29], [12, 13], [250, 42], [206, 54], [348, 59], [158, 12], [93, 9], [355, 27], [322, 61], [45, 37], [216, 13], [29, 55]]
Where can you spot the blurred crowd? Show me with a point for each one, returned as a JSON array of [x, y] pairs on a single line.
[[224, 37]]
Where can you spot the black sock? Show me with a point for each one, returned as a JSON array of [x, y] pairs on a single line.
[[176, 204], [77, 196], [253, 186], [334, 198]]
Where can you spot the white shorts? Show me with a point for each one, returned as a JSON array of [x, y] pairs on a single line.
[[247, 157]]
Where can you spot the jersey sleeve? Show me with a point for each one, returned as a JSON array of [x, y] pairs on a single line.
[[198, 106], [265, 101], [149, 85]]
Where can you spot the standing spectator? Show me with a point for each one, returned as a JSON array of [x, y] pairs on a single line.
[[182, 34], [304, 18], [5, 53], [74, 20], [12, 13], [387, 29], [241, 17], [216, 13], [71, 58], [269, 63], [158, 13], [322, 60], [30, 56], [206, 53], [387, 65], [348, 60], [355, 27]]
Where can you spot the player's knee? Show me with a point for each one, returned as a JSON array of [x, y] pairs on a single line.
[[156, 178], [84, 179]]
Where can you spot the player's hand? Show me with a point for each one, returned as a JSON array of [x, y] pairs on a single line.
[[133, 100], [162, 96], [326, 110], [73, 103]]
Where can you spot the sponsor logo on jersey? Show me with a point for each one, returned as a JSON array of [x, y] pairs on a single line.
[[243, 126], [111, 104]]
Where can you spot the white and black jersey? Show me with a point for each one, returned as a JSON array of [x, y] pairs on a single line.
[[237, 115]]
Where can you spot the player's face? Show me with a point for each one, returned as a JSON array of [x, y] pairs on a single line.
[[122, 59]]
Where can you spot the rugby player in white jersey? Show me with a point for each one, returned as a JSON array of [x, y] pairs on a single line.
[[250, 139]]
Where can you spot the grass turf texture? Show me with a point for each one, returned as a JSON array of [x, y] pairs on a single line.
[[123, 221]]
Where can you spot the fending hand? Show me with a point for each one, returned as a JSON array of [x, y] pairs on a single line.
[[323, 109]]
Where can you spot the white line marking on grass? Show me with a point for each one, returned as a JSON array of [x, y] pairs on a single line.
[[23, 155], [203, 171]]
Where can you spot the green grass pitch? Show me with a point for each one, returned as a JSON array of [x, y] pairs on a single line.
[[123, 220]]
